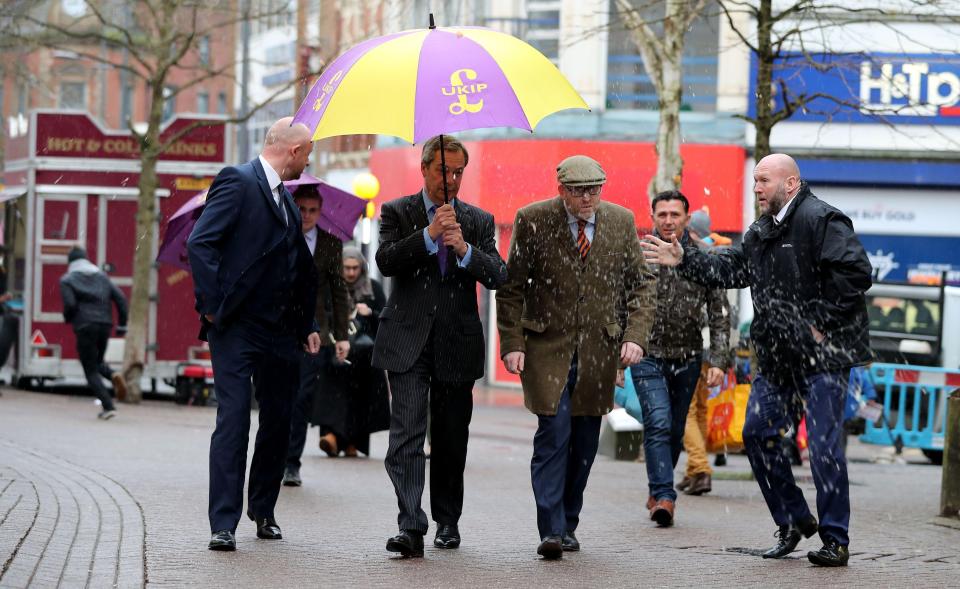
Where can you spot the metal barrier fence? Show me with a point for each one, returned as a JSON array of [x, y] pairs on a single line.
[[914, 405]]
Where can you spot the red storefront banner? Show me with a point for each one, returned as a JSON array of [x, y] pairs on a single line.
[[504, 175], [76, 135]]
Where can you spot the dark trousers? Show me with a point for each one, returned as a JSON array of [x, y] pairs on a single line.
[[91, 345], [310, 367], [450, 408], [774, 409], [9, 328], [664, 388], [564, 448], [247, 358]]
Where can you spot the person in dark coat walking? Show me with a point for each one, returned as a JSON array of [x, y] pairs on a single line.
[[87, 297], [327, 251], [808, 274], [430, 339], [256, 291], [352, 400]]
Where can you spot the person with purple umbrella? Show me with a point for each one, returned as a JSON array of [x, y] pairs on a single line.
[[327, 252]]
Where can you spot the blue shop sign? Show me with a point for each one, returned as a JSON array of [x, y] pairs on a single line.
[[911, 258], [914, 89]]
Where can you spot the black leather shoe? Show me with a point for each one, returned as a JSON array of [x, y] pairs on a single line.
[[789, 536], [408, 543], [223, 541], [551, 548], [570, 542], [831, 555], [291, 477], [267, 528], [448, 536]]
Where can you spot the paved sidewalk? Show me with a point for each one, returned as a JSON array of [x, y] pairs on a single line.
[[85, 503]]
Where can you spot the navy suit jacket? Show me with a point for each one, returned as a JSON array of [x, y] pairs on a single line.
[[230, 244], [421, 298]]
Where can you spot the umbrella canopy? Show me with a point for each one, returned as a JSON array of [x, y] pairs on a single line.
[[338, 217], [420, 83]]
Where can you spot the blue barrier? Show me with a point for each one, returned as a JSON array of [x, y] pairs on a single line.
[[914, 405]]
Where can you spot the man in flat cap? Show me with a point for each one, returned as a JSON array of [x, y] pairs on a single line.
[[577, 307]]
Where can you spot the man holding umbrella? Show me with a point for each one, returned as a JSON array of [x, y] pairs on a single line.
[[256, 289], [436, 248]]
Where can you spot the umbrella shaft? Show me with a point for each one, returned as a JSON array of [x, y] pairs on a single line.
[[443, 170]]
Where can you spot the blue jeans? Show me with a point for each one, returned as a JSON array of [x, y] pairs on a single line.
[[772, 410], [664, 387]]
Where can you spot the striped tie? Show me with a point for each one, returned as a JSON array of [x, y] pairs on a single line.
[[583, 244]]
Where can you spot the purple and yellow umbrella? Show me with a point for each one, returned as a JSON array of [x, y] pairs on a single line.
[[420, 83]]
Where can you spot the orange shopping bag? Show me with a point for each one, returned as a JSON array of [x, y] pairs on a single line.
[[726, 413]]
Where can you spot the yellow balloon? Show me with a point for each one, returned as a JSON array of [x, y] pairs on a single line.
[[371, 210], [366, 186]]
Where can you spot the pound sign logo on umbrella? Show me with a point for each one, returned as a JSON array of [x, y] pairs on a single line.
[[462, 91]]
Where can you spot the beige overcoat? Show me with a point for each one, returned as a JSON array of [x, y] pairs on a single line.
[[553, 305]]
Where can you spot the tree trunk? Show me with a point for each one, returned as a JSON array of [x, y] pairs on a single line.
[[135, 345], [669, 163], [764, 96]]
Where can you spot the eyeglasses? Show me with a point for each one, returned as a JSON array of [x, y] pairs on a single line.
[[581, 191]]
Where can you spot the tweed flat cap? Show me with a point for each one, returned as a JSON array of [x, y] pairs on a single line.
[[580, 170]]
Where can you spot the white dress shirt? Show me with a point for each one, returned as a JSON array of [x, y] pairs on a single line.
[[311, 239], [274, 182]]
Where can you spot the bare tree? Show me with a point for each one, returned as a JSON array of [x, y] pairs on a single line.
[[157, 38], [662, 56]]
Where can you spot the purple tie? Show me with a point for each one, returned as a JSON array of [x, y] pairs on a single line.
[[441, 251]]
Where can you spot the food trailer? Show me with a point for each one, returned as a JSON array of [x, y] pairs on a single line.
[[68, 181]]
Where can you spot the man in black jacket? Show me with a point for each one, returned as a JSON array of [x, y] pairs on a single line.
[[430, 339], [808, 273], [87, 294]]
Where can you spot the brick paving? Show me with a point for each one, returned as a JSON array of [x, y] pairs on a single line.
[[85, 503]]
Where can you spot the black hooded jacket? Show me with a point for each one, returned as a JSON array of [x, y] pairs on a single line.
[[808, 271]]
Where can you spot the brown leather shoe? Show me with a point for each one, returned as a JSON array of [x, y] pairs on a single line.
[[119, 386], [651, 502], [701, 484], [328, 444], [351, 451], [685, 483], [662, 513]]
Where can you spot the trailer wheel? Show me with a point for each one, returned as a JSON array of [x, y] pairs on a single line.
[[935, 456]]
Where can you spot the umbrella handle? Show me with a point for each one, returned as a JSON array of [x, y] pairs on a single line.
[[443, 165]]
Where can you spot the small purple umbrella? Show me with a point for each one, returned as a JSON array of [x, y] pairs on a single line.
[[338, 217]]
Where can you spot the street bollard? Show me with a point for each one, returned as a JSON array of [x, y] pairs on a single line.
[[950, 486]]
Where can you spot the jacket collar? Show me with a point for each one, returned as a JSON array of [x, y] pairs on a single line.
[[268, 191], [767, 228]]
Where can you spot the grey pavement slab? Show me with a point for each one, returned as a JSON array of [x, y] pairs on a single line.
[[86, 503]]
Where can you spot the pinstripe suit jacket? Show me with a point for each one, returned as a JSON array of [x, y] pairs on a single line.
[[424, 303]]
